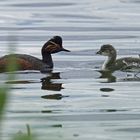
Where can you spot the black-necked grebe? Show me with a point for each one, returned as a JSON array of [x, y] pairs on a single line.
[[28, 62], [126, 64]]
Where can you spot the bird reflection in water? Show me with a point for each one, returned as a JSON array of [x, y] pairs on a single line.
[[107, 75], [110, 79], [47, 84]]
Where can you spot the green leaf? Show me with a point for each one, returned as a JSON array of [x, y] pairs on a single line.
[[3, 99]]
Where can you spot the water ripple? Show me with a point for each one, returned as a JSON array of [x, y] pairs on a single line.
[[42, 4]]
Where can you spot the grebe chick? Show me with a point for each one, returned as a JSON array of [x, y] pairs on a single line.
[[28, 62], [126, 64]]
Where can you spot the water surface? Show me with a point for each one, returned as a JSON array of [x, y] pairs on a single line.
[[73, 102]]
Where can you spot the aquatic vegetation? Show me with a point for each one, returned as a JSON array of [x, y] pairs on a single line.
[[4, 90], [24, 136]]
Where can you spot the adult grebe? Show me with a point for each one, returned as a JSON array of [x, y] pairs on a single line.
[[126, 64], [28, 62]]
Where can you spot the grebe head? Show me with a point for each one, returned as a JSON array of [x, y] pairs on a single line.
[[54, 45], [107, 50]]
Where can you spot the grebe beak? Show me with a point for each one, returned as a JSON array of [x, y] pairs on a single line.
[[65, 50], [60, 48]]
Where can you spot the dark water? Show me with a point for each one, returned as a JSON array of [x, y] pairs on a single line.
[[73, 102]]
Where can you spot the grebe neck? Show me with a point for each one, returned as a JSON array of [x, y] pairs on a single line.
[[110, 62], [47, 58]]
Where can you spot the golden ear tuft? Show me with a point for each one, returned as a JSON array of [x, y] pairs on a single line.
[[52, 47]]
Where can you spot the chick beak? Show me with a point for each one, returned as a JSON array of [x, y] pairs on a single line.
[[99, 52]]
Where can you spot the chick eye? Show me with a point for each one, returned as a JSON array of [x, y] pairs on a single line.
[[104, 50]]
